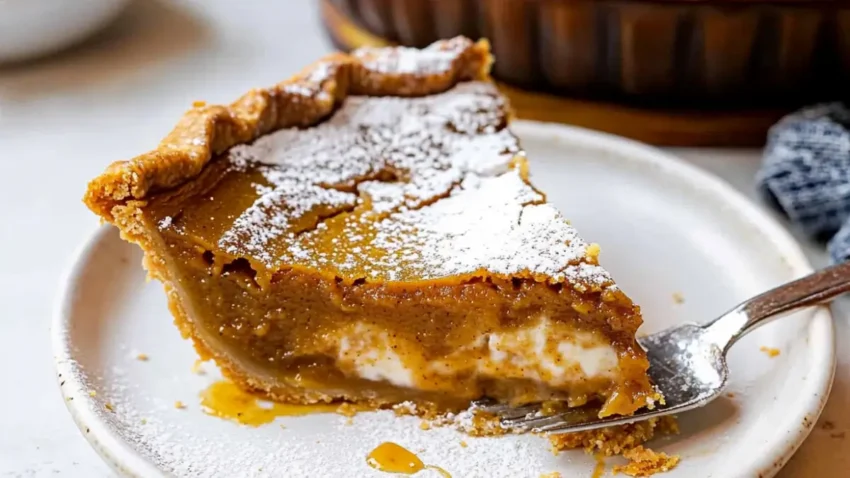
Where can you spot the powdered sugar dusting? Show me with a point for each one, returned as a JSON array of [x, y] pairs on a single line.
[[494, 224], [310, 85], [165, 222], [434, 59], [270, 215], [404, 151], [421, 188]]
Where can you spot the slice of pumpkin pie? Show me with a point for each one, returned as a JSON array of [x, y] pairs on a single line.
[[366, 231]]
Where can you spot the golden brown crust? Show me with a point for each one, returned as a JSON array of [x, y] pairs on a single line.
[[627, 441], [646, 462], [303, 100]]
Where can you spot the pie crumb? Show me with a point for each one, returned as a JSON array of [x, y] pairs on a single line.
[[593, 251], [347, 410], [423, 425], [109, 407], [645, 462], [554, 474], [92, 393], [142, 357], [770, 351], [196, 367], [463, 444], [617, 440], [179, 405], [678, 298], [407, 408], [731, 394]]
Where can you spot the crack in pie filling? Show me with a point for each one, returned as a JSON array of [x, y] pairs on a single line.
[[366, 231]]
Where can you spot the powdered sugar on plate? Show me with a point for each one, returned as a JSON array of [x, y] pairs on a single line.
[[121, 403], [188, 443]]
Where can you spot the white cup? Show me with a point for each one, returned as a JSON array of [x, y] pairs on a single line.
[[32, 28]]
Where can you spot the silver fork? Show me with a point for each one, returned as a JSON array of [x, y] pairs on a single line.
[[688, 362]]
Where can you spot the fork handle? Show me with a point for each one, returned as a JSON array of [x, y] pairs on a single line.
[[817, 288]]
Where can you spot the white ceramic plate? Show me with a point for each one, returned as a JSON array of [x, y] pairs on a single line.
[[665, 228], [31, 28]]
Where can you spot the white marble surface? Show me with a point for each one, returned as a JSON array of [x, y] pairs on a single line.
[[64, 118]]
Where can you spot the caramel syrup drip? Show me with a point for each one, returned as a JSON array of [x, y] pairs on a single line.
[[394, 458], [224, 399], [599, 469]]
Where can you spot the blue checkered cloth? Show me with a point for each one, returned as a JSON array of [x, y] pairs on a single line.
[[806, 173]]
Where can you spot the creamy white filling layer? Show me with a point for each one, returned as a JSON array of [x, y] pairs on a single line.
[[550, 355], [547, 353], [370, 354]]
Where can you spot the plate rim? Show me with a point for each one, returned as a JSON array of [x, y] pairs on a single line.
[[112, 449], [125, 460]]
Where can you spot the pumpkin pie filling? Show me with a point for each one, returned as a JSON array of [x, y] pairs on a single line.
[[367, 231]]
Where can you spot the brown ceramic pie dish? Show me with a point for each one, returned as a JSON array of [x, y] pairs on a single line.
[[697, 54]]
